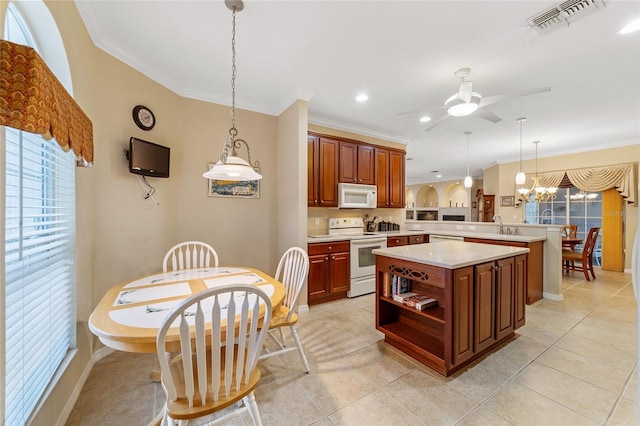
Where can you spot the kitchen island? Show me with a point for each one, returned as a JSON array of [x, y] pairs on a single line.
[[480, 299]]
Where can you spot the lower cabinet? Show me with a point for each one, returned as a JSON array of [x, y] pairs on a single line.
[[478, 308], [329, 273], [407, 239]]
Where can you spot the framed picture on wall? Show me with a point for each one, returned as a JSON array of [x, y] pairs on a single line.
[[507, 201], [232, 188]]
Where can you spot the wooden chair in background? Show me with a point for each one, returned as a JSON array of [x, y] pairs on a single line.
[[584, 260], [292, 272], [189, 255], [570, 231], [216, 366]]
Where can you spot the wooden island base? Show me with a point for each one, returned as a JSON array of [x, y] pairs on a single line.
[[479, 306]]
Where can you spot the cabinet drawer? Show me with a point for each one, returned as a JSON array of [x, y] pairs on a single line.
[[397, 241], [326, 248], [416, 239]]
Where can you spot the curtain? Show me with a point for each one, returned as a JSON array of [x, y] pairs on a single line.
[[33, 99], [621, 177]]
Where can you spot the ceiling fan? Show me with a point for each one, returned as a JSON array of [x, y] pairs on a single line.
[[466, 101]]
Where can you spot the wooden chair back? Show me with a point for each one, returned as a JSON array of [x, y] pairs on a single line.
[[570, 231], [292, 272], [590, 244], [189, 255], [227, 325]]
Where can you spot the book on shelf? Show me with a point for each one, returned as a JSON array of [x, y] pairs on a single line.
[[419, 301], [401, 297], [398, 285]]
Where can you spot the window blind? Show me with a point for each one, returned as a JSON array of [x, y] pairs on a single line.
[[39, 268]]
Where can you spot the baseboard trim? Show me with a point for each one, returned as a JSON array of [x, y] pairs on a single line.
[[303, 308], [554, 297], [75, 394]]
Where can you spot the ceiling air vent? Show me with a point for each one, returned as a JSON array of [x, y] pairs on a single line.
[[563, 14]]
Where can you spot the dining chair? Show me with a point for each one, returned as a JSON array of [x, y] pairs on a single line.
[[570, 231], [221, 332], [584, 259], [189, 255], [292, 272]]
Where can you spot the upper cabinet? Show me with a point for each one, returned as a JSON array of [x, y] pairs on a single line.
[[356, 163], [322, 171], [332, 160], [390, 177]]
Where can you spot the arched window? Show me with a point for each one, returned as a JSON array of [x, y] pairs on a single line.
[[39, 261]]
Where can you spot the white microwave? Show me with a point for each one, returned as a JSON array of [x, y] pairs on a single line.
[[356, 196]]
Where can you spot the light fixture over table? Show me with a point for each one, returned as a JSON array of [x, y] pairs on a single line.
[[231, 166], [521, 178], [539, 193]]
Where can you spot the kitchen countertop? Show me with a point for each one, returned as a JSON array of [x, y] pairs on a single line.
[[450, 254], [453, 233]]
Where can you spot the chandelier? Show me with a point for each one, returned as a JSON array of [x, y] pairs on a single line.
[[537, 193], [231, 166]]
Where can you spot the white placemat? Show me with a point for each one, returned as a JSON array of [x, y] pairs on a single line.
[[186, 274], [126, 297], [249, 278]]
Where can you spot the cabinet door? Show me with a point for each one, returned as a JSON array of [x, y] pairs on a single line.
[[339, 278], [484, 305], [396, 179], [462, 315], [504, 297], [328, 172], [348, 163], [312, 171], [382, 176], [366, 165], [318, 275], [520, 280]]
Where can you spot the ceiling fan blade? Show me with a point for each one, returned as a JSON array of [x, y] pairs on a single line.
[[412, 112], [487, 115], [436, 122], [489, 100], [465, 92]]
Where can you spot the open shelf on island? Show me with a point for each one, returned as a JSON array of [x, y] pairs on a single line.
[[435, 313]]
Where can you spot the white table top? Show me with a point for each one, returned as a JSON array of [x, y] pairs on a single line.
[[450, 254]]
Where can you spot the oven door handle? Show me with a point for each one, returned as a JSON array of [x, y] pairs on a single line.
[[369, 241]]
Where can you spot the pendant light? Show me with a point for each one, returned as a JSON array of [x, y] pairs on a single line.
[[521, 178], [231, 166], [468, 182]]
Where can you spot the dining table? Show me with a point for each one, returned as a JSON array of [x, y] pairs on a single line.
[[571, 242], [130, 314]]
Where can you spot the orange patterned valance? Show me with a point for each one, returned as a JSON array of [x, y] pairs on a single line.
[[33, 99]]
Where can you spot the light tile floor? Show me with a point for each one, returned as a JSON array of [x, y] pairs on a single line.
[[573, 363]]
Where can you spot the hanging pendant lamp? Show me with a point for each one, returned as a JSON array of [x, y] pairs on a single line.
[[521, 178], [468, 182], [537, 193], [231, 166]]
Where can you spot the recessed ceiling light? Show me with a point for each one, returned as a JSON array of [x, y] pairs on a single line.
[[362, 97], [424, 119], [633, 26], [438, 176]]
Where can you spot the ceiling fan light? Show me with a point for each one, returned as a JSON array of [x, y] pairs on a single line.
[[459, 108], [521, 178]]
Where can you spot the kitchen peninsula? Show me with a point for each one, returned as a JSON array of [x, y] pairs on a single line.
[[480, 294]]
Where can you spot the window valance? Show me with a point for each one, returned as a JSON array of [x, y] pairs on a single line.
[[622, 177], [33, 99]]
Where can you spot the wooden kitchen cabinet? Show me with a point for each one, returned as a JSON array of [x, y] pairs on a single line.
[[357, 163], [533, 269], [389, 168], [475, 310], [407, 239], [329, 271], [322, 171]]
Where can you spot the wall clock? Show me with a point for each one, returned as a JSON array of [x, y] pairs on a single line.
[[143, 117]]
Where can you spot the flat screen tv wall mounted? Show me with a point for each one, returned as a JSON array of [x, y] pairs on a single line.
[[148, 159]]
